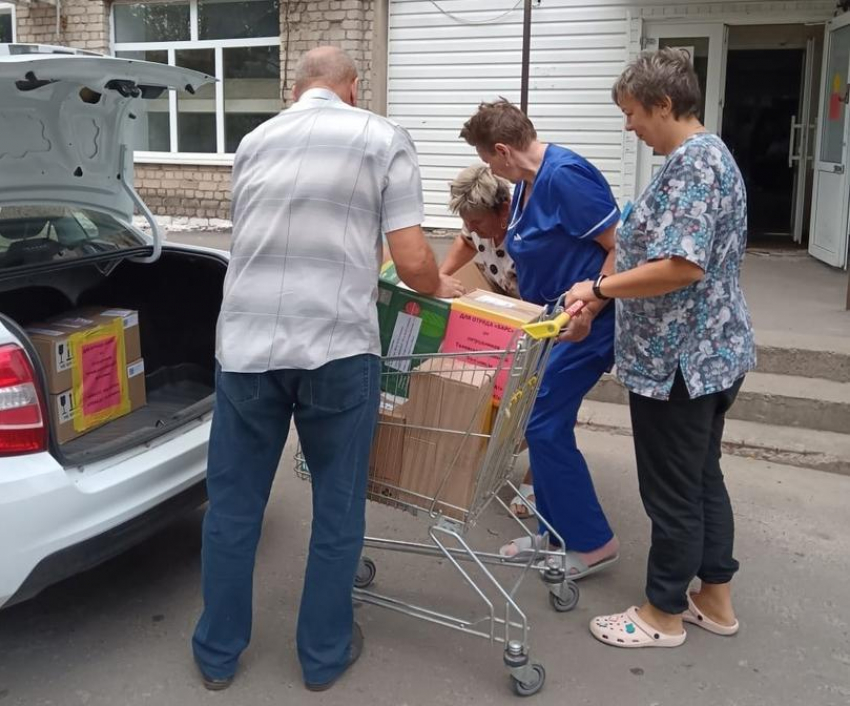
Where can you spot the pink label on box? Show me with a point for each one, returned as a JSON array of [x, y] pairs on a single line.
[[473, 334], [101, 382]]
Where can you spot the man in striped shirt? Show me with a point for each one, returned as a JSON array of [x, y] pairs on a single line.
[[313, 190]]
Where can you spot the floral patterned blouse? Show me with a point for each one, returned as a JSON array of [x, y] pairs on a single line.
[[694, 208]]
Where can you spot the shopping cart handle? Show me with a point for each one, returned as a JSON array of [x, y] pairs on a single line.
[[552, 327]]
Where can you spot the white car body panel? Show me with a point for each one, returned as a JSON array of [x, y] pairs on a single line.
[[46, 134]]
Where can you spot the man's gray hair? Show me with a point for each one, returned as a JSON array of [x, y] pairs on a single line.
[[328, 65], [654, 76], [476, 188]]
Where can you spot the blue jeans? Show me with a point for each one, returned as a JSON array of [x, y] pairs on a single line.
[[335, 409]]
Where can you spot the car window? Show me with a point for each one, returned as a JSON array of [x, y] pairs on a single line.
[[39, 235]]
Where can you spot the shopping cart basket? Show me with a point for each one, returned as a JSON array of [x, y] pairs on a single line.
[[445, 450]]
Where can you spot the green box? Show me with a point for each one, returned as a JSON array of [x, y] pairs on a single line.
[[411, 324]]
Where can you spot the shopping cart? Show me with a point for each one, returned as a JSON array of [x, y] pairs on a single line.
[[445, 450]]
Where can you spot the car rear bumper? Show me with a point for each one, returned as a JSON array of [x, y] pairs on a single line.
[[88, 554], [58, 521]]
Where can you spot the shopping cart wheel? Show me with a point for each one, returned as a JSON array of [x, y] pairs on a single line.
[[524, 688], [365, 573], [566, 599]]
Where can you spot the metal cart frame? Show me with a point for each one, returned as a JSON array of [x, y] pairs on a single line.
[[520, 367]]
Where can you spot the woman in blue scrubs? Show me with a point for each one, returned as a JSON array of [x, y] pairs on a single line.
[[561, 231]]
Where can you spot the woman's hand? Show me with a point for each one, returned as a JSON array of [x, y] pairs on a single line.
[[580, 291], [578, 327], [449, 288]]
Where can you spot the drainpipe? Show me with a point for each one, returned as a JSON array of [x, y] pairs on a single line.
[[58, 21], [848, 290], [526, 55]]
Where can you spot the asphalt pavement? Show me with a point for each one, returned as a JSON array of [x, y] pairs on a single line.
[[119, 634]]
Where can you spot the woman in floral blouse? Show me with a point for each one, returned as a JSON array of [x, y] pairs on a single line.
[[684, 343]]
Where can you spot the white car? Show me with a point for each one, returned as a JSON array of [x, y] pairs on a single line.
[[67, 239]]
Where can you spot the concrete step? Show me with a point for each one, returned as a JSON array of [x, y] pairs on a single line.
[[780, 400], [804, 448], [785, 353]]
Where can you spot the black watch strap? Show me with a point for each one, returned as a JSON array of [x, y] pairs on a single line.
[[597, 292]]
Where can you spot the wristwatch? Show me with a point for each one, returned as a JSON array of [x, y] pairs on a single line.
[[597, 292]]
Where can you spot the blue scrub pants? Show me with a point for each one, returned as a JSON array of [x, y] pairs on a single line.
[[563, 489]]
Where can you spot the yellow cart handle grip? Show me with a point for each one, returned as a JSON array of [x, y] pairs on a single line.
[[552, 327]]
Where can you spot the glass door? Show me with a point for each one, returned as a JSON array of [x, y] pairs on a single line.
[[706, 44], [828, 240]]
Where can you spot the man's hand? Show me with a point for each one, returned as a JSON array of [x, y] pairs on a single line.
[[449, 288], [578, 328]]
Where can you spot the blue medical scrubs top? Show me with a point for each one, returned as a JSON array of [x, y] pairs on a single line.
[[551, 239]]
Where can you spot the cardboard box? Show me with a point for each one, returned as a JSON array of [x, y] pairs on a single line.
[[54, 351], [471, 277], [387, 450], [485, 321], [130, 320], [136, 387], [50, 339], [64, 407], [410, 323], [454, 398]]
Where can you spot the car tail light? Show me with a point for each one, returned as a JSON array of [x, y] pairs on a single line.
[[23, 426]]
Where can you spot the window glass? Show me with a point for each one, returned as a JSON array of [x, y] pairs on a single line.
[[5, 26], [36, 235], [251, 90], [152, 126], [249, 76], [832, 139], [238, 19], [152, 22], [196, 127]]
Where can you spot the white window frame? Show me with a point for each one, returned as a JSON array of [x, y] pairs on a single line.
[[220, 157], [9, 8]]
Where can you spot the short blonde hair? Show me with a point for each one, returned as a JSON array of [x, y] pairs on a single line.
[[654, 76], [476, 188]]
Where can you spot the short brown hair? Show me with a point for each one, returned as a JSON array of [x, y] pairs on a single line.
[[654, 76], [500, 121]]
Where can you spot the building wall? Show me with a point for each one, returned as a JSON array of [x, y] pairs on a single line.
[[199, 193], [83, 24], [344, 23], [443, 63]]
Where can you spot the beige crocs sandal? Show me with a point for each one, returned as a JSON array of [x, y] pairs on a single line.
[[695, 616], [628, 630]]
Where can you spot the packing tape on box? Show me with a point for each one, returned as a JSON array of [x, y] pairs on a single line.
[[99, 375]]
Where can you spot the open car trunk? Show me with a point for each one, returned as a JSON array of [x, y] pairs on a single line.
[[178, 299]]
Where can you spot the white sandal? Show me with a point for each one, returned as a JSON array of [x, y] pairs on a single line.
[[526, 547], [519, 505]]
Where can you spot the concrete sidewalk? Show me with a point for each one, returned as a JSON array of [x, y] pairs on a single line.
[[794, 299]]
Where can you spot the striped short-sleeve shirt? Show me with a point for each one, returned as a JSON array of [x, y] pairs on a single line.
[[313, 190]]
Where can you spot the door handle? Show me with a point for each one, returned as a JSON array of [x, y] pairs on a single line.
[[838, 169], [792, 142]]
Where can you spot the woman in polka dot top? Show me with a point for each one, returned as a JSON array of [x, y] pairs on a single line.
[[482, 200]]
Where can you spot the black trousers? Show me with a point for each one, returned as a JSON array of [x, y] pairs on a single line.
[[677, 446]]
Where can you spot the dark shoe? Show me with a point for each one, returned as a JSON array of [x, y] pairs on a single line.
[[212, 684], [356, 651]]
